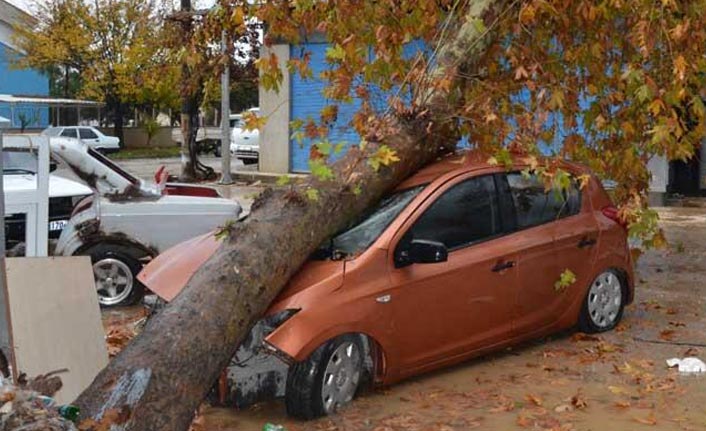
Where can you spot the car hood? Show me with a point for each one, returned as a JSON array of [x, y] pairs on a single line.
[[58, 186], [168, 273]]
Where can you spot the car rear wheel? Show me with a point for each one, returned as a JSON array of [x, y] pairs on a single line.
[[115, 275], [327, 380], [604, 303]]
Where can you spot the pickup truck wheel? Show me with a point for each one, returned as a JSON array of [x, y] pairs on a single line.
[[115, 274], [327, 380]]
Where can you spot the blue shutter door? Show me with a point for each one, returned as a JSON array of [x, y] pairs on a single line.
[[306, 101]]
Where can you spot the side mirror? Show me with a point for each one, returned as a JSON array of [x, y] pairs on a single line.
[[421, 251]]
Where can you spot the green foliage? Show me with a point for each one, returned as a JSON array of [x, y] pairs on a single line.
[[604, 82], [312, 194], [151, 127], [320, 169], [384, 156], [113, 47], [566, 279]]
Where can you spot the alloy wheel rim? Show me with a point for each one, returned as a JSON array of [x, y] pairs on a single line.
[[604, 299], [341, 377], [114, 281]]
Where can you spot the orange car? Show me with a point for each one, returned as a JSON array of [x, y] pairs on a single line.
[[462, 259]]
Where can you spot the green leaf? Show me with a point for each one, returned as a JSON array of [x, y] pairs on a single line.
[[283, 180], [320, 170], [312, 194], [335, 53], [566, 279]]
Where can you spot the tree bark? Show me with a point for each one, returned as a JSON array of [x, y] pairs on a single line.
[[158, 381], [118, 122]]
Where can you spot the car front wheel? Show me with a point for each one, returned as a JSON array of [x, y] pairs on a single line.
[[604, 304], [327, 380], [115, 276]]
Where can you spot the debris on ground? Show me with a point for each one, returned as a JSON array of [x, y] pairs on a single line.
[[687, 365], [24, 409]]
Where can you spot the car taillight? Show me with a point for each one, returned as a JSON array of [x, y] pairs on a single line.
[[82, 205], [612, 213]]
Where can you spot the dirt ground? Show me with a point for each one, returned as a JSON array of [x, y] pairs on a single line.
[[566, 382]]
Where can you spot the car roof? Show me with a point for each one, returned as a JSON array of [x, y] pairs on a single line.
[[461, 160], [468, 160]]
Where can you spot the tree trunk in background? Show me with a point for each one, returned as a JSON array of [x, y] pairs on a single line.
[[159, 380], [118, 122]]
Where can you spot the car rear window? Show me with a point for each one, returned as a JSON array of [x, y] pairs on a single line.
[[534, 205], [87, 133]]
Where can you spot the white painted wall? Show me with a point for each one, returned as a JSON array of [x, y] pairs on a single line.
[[659, 168], [274, 136]]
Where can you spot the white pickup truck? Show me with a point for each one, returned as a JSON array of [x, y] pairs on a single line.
[[129, 221]]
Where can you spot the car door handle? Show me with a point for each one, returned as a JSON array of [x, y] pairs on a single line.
[[384, 299], [501, 266], [586, 242]]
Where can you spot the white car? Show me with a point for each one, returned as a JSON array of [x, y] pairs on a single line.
[[20, 173], [244, 144], [132, 220], [93, 137]]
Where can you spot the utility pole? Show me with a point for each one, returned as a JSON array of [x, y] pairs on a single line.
[[6, 342], [225, 112]]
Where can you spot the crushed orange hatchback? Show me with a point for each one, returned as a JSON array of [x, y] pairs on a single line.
[[462, 259]]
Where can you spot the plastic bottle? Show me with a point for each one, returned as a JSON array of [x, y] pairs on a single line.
[[69, 412]]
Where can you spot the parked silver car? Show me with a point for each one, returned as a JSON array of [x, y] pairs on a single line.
[[130, 221]]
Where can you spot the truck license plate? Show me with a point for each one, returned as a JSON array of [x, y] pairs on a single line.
[[57, 224]]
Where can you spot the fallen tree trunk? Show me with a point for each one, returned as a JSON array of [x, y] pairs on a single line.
[[158, 381]]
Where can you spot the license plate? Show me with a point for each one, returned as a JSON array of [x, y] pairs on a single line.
[[57, 224]]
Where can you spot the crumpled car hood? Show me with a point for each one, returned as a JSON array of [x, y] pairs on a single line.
[[167, 274]]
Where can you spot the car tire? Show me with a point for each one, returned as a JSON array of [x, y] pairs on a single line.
[[338, 365], [604, 303], [115, 273]]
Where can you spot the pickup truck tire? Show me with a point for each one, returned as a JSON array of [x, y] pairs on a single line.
[[115, 273], [327, 380]]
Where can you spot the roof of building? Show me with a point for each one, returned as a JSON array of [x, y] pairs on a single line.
[[47, 101]]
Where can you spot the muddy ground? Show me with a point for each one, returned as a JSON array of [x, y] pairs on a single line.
[[566, 382]]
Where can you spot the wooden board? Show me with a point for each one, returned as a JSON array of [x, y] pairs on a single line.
[[56, 320]]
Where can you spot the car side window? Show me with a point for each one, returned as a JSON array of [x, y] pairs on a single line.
[[534, 205], [466, 213], [69, 133], [87, 134]]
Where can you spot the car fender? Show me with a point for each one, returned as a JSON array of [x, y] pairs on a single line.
[[609, 261], [298, 337]]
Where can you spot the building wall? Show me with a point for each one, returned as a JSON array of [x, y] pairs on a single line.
[[274, 136], [24, 82]]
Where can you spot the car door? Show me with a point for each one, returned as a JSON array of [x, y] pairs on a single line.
[[537, 211], [443, 310], [575, 241], [89, 137]]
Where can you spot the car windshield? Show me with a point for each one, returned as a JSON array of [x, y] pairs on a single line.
[[371, 225], [237, 122], [19, 162], [52, 131]]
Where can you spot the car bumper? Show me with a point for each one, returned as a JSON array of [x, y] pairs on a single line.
[[247, 154]]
